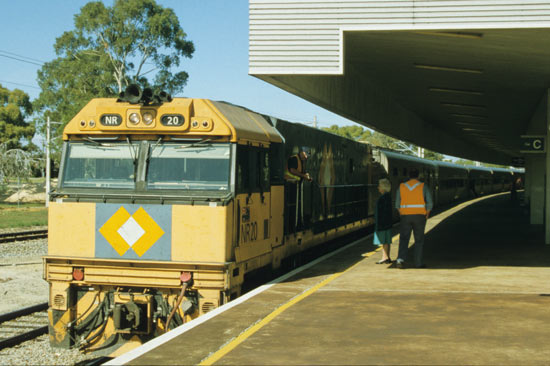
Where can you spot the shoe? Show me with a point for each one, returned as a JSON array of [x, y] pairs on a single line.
[[422, 266], [400, 265], [384, 261]]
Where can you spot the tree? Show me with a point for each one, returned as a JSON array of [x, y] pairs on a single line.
[[378, 139], [465, 162], [14, 163], [432, 155], [356, 133], [111, 47], [15, 106]]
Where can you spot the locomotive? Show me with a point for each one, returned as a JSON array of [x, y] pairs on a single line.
[[165, 207]]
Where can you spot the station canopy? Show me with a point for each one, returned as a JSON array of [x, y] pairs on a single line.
[[465, 92]]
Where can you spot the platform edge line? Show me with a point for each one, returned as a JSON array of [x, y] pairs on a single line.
[[154, 343], [266, 320]]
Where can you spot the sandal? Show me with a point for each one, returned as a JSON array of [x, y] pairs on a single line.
[[384, 261]]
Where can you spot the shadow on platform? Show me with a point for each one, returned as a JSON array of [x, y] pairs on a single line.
[[492, 231]]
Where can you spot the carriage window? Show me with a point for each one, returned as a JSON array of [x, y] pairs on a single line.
[[395, 172], [404, 172]]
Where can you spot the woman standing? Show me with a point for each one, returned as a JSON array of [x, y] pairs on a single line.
[[383, 217]]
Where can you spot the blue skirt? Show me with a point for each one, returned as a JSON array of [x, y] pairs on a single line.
[[382, 237]]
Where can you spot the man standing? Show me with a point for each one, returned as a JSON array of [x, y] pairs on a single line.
[[296, 172], [414, 202]]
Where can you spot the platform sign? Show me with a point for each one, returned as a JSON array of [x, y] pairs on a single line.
[[532, 144]]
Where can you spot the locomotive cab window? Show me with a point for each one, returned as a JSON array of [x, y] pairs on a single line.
[[90, 165], [189, 167], [276, 163], [253, 172]]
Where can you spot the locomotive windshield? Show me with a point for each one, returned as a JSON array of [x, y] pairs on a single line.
[[169, 166], [189, 167], [99, 166]]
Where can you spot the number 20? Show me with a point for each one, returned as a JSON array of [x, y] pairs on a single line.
[[172, 121]]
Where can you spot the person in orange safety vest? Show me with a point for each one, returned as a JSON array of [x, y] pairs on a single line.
[[414, 202]]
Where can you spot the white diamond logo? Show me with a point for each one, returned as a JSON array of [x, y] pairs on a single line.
[[131, 231]]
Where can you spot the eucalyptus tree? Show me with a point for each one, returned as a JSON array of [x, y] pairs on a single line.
[[15, 108], [132, 41]]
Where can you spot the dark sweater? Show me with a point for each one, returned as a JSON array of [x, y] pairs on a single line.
[[384, 212]]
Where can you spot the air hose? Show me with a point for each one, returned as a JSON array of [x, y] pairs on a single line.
[[175, 308], [186, 278]]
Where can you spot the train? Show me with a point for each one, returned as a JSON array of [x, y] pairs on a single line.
[[448, 182], [165, 207]]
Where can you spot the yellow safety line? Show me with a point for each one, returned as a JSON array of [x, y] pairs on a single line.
[[259, 325]]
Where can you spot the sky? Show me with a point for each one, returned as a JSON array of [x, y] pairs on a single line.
[[218, 69]]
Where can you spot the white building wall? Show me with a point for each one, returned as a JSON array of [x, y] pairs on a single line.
[[306, 36]]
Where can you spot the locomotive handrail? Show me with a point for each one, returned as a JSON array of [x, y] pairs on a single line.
[[139, 196], [346, 185]]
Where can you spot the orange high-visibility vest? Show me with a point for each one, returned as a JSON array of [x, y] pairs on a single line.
[[412, 198]]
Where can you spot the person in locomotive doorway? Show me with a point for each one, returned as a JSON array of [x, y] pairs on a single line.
[[296, 172], [414, 202], [383, 220]]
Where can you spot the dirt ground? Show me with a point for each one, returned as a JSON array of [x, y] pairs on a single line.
[[27, 192], [22, 285]]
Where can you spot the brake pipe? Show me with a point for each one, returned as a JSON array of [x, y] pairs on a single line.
[[186, 278]]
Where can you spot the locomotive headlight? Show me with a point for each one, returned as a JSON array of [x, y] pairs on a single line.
[[134, 118], [147, 118]]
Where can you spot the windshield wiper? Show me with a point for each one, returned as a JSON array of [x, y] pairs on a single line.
[[96, 143], [133, 155], [200, 143], [154, 147]]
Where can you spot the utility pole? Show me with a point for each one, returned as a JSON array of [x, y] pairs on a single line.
[[314, 121], [48, 169], [48, 163]]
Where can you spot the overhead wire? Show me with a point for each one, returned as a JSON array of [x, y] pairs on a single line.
[[11, 82], [20, 58]]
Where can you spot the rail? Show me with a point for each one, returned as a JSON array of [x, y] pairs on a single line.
[[9, 237], [25, 336]]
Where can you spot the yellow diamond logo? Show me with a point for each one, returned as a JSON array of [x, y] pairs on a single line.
[[138, 231]]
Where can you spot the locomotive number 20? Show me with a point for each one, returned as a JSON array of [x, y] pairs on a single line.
[[249, 231], [172, 120]]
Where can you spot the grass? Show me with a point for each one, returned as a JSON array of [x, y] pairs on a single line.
[[13, 215], [27, 214]]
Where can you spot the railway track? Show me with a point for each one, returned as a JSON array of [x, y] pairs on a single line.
[[23, 324], [9, 237]]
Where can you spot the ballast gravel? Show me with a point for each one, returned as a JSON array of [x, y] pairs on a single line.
[[22, 285]]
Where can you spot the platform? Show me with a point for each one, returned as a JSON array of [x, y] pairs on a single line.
[[484, 299]]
